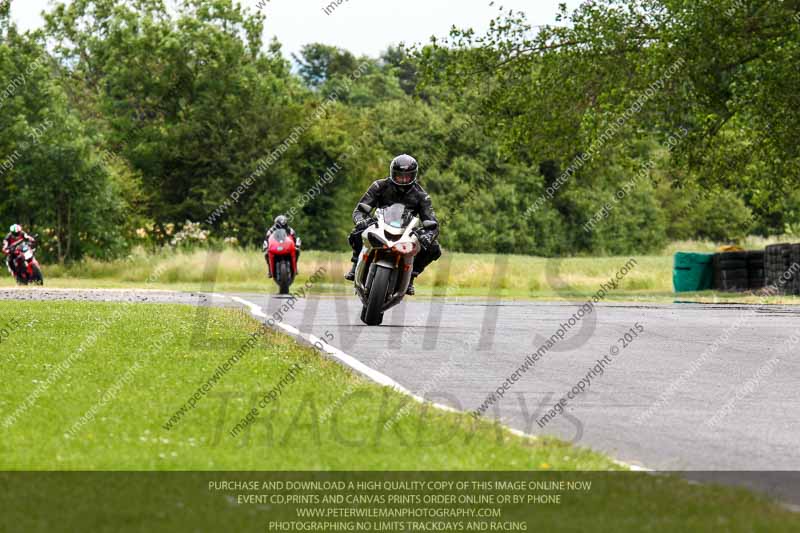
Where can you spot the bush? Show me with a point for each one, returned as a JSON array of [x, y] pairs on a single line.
[[722, 216], [190, 236]]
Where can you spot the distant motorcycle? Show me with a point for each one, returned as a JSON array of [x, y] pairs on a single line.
[[25, 267], [386, 261], [282, 258]]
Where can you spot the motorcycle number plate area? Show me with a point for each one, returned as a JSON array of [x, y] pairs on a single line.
[[28, 255]]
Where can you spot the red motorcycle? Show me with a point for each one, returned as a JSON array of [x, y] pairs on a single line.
[[282, 259], [26, 268]]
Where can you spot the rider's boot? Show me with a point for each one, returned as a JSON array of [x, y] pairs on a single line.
[[411, 291], [351, 276]]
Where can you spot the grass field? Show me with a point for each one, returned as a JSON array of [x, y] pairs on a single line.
[[106, 408], [456, 274], [170, 361]]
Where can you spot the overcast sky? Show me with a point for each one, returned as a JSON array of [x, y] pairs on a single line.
[[361, 26]]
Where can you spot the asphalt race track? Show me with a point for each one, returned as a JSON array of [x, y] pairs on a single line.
[[701, 388]]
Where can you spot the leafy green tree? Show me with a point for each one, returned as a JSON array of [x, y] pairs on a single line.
[[191, 100], [719, 70], [55, 184], [148, 115], [404, 68], [319, 63]]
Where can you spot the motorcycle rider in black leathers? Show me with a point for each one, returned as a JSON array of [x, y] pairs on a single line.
[[400, 187], [14, 237], [281, 222]]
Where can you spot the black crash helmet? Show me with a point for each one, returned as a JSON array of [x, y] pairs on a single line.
[[403, 171]]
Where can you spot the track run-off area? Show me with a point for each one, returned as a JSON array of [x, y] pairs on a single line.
[[673, 387]]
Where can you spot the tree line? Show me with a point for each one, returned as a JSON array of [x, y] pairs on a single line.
[[127, 124]]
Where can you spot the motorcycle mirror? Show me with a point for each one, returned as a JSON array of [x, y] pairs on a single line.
[[365, 208], [430, 224]]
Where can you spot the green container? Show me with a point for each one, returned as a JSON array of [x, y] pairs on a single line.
[[693, 272]]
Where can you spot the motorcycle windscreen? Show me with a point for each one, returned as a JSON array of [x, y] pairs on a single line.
[[393, 215], [280, 235]]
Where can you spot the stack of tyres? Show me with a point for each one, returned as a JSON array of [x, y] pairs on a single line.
[[793, 270], [782, 268], [730, 271], [755, 270], [774, 265], [781, 265]]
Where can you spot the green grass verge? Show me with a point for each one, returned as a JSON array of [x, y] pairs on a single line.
[[456, 274], [156, 341], [298, 432]]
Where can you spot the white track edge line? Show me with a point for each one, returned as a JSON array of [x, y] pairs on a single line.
[[348, 360], [380, 378]]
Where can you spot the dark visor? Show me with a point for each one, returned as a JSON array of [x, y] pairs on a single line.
[[404, 177]]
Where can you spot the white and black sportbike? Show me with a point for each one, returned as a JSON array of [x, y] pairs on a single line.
[[385, 263]]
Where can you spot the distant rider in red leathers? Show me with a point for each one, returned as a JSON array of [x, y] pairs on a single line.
[[14, 237], [281, 222]]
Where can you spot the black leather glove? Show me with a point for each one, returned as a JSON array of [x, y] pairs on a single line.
[[426, 240], [364, 223]]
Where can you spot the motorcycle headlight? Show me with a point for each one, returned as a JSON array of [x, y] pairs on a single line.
[[404, 247]]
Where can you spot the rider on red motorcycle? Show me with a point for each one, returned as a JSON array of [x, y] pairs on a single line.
[[14, 237], [281, 222]]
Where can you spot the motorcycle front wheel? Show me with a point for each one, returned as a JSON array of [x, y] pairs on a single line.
[[19, 278], [38, 278], [284, 277], [373, 311]]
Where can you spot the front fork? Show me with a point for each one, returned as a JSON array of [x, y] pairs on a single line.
[[402, 266]]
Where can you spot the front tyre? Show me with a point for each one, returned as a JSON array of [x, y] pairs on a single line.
[[373, 311], [284, 277], [37, 277]]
